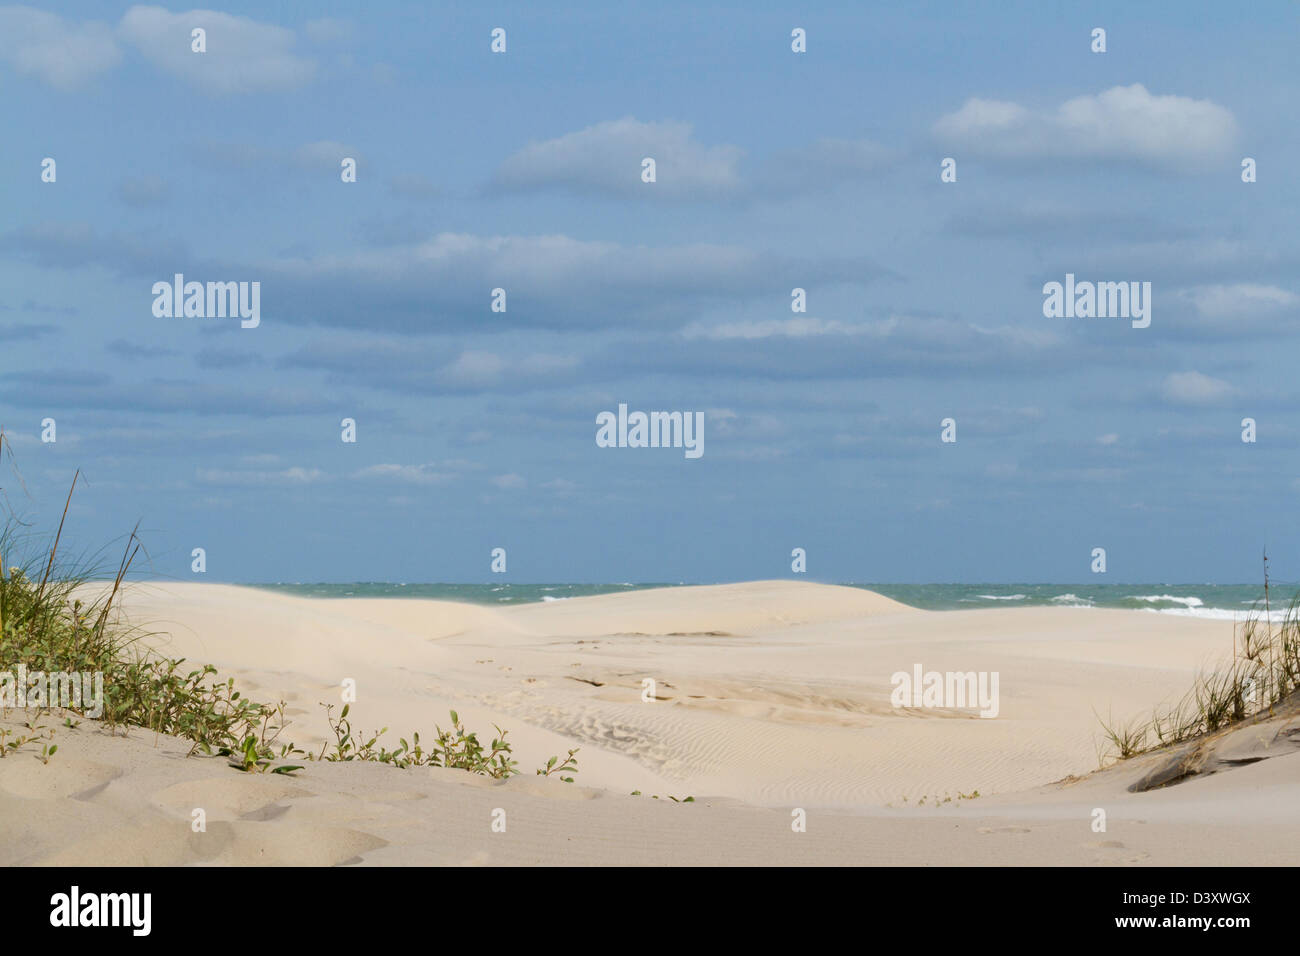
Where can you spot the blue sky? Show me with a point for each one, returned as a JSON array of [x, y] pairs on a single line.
[[776, 170]]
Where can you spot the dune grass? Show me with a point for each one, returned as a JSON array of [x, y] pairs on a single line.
[[1264, 671], [49, 623]]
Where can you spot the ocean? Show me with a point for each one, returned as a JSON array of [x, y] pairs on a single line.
[[1216, 601]]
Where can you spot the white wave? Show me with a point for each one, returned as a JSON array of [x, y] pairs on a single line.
[[1216, 613], [1071, 600], [995, 597], [1156, 598], [547, 597]]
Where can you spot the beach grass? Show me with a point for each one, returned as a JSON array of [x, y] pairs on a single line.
[[1264, 672], [47, 626]]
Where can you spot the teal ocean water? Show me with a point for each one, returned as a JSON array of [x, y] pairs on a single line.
[[1217, 601]]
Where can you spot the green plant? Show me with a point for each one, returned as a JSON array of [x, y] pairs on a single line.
[[55, 617], [1127, 739], [347, 748], [455, 748], [11, 741], [463, 751], [249, 759], [52, 619], [1265, 670], [570, 765], [655, 796]]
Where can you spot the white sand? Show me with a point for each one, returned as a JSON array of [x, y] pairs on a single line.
[[774, 695]]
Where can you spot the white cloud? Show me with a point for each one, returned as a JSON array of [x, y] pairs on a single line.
[[479, 369], [289, 476], [1240, 300], [413, 474], [533, 261], [327, 30], [561, 486], [54, 50], [607, 158], [1193, 388], [509, 482], [796, 328], [326, 154], [722, 420], [1124, 122], [323, 155], [895, 329], [243, 55], [475, 368], [555, 280]]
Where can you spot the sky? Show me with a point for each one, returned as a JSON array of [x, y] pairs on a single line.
[[775, 170]]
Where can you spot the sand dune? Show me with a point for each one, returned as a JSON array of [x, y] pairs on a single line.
[[721, 608], [768, 696]]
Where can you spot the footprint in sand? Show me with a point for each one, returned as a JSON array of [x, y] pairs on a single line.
[[227, 796], [271, 811], [1103, 859], [32, 779], [91, 792]]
